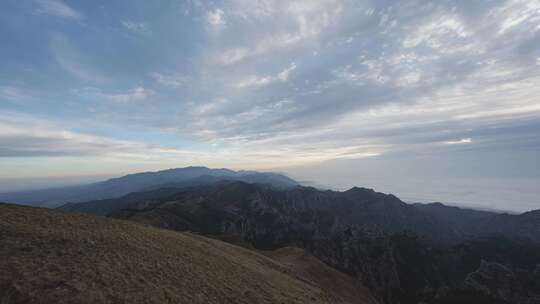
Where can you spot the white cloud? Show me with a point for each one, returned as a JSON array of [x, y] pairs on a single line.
[[439, 33], [136, 94], [459, 142], [252, 81], [376, 73], [290, 24], [58, 8], [210, 108], [232, 56], [262, 46], [516, 13], [253, 9], [74, 61], [26, 136], [23, 136], [284, 75], [409, 79], [170, 80], [140, 28], [255, 81], [13, 94], [216, 17], [410, 75], [422, 78]]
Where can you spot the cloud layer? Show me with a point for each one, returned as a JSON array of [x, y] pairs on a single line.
[[266, 84]]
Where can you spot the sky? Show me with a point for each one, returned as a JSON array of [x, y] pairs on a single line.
[[401, 95]]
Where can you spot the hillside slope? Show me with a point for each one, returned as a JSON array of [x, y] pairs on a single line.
[[49, 256], [305, 266]]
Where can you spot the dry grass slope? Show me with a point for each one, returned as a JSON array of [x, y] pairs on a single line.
[[341, 287], [47, 256]]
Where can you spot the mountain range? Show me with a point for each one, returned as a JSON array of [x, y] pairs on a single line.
[[438, 222], [117, 187], [402, 253]]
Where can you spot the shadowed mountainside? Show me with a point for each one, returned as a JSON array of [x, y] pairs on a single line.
[[373, 236], [357, 206], [472, 223], [224, 204], [49, 256]]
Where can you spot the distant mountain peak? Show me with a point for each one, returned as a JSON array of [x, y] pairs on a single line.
[[362, 189], [144, 181]]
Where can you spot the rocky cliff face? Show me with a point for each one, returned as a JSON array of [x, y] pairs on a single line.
[[237, 206]]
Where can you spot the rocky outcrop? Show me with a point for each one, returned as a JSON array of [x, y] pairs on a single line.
[[321, 212], [365, 253]]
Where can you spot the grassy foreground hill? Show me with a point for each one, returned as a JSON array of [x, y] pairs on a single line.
[[48, 256]]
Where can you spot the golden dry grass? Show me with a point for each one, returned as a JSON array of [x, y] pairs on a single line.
[[48, 256]]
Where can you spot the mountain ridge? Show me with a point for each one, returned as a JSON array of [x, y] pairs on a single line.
[[355, 205], [136, 182]]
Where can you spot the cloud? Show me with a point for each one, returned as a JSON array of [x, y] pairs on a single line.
[[459, 142], [256, 81], [284, 75], [170, 80], [136, 94], [139, 28], [518, 12], [430, 73], [23, 136], [73, 61], [436, 32], [316, 79], [13, 94], [59, 9], [231, 56], [29, 136], [216, 17], [212, 107], [302, 21]]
